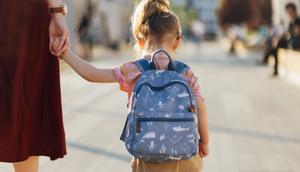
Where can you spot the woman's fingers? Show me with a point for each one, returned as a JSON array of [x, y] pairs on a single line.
[[51, 44], [52, 36]]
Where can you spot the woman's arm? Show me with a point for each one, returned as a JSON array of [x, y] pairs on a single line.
[[202, 126], [54, 3], [87, 71]]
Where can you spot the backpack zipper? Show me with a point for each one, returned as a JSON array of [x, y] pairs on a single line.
[[140, 120], [156, 88]]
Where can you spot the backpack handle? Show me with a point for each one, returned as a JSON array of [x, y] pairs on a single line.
[[152, 63]]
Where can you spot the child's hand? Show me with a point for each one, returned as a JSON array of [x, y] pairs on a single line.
[[203, 150], [56, 44]]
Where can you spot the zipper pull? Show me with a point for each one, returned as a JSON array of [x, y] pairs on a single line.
[[192, 109], [138, 127]]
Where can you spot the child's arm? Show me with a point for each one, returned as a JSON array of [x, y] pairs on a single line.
[[202, 126], [84, 69], [88, 71]]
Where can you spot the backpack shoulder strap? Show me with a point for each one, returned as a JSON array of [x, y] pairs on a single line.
[[143, 64], [180, 67]]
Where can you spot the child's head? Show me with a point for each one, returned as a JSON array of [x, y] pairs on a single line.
[[154, 26]]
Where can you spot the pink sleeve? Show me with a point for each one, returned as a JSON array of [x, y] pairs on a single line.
[[192, 79], [126, 75]]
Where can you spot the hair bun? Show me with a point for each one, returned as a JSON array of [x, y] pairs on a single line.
[[154, 7]]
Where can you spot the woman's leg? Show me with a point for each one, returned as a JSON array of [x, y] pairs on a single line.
[[29, 165]]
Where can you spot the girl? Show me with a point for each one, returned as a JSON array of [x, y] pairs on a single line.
[[154, 26]]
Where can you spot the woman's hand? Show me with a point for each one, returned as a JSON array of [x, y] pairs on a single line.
[[203, 150], [58, 29]]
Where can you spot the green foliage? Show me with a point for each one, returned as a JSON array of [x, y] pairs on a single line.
[[186, 15]]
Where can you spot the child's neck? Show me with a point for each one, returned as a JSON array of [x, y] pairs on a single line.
[[167, 48]]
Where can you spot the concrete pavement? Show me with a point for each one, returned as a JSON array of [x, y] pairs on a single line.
[[254, 119]]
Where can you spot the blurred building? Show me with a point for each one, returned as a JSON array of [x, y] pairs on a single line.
[[206, 10]]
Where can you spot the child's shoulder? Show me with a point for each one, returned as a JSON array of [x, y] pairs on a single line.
[[143, 64], [128, 68], [180, 66], [186, 70]]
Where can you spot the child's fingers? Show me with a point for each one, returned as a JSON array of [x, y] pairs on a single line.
[[65, 47], [202, 154], [203, 151], [64, 39]]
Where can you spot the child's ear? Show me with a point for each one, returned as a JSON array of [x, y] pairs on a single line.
[[141, 43], [176, 42]]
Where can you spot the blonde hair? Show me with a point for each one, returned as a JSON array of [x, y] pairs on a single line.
[[152, 21]]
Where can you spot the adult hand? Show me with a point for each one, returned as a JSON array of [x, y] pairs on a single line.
[[58, 29]]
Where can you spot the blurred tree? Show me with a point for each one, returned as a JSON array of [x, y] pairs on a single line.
[[253, 13], [236, 11], [186, 16]]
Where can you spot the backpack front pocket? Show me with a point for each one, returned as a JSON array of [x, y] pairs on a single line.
[[172, 137]]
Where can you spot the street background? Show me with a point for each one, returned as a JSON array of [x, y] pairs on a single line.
[[253, 116]]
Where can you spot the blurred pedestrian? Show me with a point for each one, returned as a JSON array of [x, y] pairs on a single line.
[[270, 44], [236, 34], [198, 29], [288, 38], [85, 37], [116, 14], [295, 39], [31, 123], [156, 29]]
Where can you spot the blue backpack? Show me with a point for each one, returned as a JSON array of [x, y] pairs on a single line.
[[161, 124]]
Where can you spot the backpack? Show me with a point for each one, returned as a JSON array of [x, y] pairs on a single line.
[[161, 124]]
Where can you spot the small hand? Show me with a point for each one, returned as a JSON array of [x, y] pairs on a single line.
[[203, 150], [58, 29], [55, 46]]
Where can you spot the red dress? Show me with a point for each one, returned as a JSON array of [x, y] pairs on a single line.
[[30, 101]]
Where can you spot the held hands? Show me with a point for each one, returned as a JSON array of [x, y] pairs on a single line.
[[59, 35], [56, 45]]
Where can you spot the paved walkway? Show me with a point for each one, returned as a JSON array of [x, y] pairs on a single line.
[[254, 119]]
